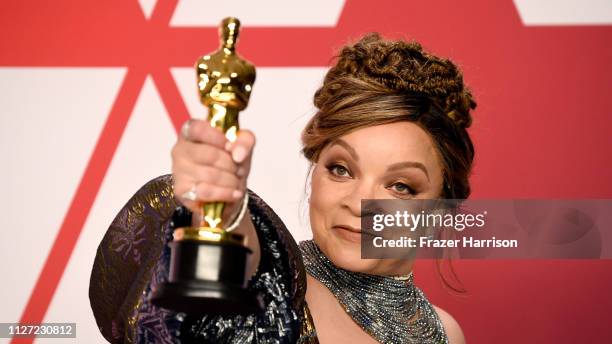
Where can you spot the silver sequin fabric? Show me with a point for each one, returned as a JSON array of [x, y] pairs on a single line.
[[393, 311]]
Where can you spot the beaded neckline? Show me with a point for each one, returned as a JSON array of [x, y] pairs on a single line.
[[390, 309]]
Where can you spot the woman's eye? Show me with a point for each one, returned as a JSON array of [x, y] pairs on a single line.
[[339, 170], [402, 188]]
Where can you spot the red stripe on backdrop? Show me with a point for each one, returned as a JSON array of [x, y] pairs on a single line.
[[171, 97], [541, 129]]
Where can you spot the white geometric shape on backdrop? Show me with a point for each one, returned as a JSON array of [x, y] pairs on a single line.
[[564, 12], [269, 13], [147, 7]]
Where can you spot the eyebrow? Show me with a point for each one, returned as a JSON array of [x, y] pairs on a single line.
[[351, 150], [393, 167], [409, 164]]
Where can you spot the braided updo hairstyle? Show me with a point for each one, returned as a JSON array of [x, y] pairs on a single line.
[[377, 81]]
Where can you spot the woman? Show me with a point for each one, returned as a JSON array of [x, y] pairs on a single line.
[[391, 123]]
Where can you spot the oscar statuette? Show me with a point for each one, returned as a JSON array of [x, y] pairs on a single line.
[[208, 263]]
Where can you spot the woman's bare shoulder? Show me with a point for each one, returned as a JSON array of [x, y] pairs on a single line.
[[451, 326]]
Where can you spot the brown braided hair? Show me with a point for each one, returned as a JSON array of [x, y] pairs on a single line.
[[377, 81]]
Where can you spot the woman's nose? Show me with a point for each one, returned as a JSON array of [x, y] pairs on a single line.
[[354, 196]]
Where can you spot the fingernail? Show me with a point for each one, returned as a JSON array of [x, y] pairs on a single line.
[[239, 154], [237, 194], [190, 195]]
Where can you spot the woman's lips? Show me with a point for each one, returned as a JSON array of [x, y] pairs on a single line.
[[349, 233]]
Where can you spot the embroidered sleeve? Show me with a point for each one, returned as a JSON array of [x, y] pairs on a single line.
[[124, 258]]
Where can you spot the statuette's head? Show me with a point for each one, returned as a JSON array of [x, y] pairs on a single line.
[[223, 77]]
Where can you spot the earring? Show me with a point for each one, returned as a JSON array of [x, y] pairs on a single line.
[[446, 189]]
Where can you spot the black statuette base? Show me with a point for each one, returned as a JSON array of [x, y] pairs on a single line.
[[207, 298], [207, 278]]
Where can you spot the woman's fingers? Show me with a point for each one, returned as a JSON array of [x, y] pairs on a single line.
[[208, 168], [208, 192], [204, 154], [192, 193], [208, 174], [201, 131], [242, 151]]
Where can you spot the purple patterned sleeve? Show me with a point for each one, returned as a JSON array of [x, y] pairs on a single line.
[[126, 259]]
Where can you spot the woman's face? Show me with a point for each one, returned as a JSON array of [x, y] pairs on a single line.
[[389, 161]]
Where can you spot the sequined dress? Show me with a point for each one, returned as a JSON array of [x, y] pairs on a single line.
[[133, 259]]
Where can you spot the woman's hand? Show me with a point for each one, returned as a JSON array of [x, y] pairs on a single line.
[[207, 167]]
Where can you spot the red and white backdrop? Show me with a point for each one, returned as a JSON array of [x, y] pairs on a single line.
[[92, 94]]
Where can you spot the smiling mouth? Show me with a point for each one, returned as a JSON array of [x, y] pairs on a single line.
[[353, 230]]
